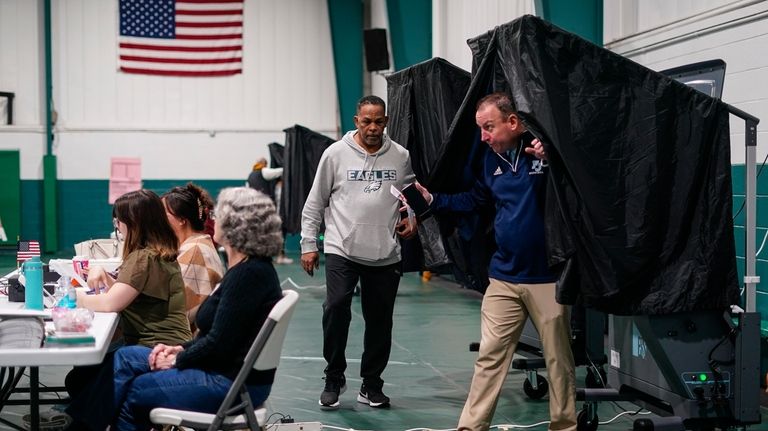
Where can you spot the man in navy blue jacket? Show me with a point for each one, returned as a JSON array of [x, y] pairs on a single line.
[[521, 284]]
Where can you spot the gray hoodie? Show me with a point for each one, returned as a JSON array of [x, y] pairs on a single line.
[[351, 188]]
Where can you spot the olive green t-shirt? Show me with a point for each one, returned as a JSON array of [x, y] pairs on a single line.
[[158, 314]]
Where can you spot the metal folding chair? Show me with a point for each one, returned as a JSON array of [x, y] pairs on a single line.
[[263, 355]]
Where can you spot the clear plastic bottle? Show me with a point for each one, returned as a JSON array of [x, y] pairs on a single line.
[[71, 296], [60, 292], [65, 293]]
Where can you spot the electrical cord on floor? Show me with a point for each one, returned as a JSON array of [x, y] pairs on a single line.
[[341, 429], [282, 416], [604, 384], [430, 429], [503, 427], [625, 412], [44, 386], [290, 281], [499, 427]]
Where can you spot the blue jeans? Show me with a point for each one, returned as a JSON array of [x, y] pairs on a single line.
[[125, 399]]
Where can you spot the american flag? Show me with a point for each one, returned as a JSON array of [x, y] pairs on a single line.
[[26, 249], [181, 37]]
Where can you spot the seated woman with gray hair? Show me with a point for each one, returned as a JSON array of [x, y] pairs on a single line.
[[197, 375]]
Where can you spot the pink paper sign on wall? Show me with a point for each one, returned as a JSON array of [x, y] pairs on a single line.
[[124, 176]]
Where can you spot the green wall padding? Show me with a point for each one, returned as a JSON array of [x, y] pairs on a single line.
[[583, 17], [347, 38], [83, 211], [51, 238], [32, 208], [410, 25], [10, 196]]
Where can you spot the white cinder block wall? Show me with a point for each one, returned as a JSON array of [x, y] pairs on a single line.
[[197, 128], [662, 34]]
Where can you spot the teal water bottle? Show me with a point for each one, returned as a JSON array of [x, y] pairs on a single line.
[[32, 269]]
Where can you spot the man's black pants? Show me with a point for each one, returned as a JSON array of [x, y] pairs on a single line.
[[378, 290]]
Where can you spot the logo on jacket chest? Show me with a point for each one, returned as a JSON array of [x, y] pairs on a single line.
[[537, 167], [374, 178], [378, 175]]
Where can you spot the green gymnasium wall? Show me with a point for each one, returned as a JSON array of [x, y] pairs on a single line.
[[10, 195], [84, 212]]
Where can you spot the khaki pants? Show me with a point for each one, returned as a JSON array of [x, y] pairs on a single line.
[[504, 311]]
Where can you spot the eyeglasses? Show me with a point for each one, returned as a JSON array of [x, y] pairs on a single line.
[[118, 234]]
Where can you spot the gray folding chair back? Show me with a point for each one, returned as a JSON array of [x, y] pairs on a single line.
[[264, 354]]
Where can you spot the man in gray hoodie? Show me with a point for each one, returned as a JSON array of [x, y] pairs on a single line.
[[352, 191]]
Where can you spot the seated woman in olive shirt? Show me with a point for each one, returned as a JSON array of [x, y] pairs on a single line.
[[197, 375], [149, 290]]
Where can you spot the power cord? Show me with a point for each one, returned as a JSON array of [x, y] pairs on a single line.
[[602, 382], [282, 416], [342, 429], [290, 281], [515, 426], [625, 412], [44, 386]]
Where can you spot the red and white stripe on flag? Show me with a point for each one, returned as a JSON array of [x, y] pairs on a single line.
[[27, 249], [181, 37]]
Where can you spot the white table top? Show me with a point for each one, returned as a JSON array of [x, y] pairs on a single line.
[[102, 329]]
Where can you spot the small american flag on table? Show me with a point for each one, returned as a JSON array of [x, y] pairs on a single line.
[[26, 249], [181, 37]]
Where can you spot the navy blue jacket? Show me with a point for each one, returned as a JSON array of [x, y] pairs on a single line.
[[516, 187]]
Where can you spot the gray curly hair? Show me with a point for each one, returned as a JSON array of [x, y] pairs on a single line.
[[249, 222]]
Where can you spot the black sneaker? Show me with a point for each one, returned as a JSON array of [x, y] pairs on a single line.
[[329, 399], [373, 397]]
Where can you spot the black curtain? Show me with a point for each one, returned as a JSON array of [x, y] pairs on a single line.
[[639, 200], [422, 103], [276, 155], [303, 148]]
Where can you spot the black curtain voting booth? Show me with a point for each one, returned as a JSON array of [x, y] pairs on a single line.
[[276, 155], [303, 148], [423, 100], [422, 103], [639, 218]]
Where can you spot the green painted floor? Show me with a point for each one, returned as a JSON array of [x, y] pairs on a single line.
[[429, 372]]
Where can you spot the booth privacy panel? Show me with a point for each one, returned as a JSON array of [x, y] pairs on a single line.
[[640, 199]]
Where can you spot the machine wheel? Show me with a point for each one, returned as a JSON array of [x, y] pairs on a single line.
[[585, 423], [539, 392], [593, 381]]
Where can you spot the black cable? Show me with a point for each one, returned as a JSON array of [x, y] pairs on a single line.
[[278, 420], [756, 177], [714, 362], [596, 370], [44, 386]]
